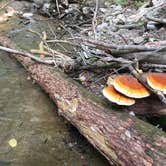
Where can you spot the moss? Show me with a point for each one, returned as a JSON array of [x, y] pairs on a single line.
[[115, 109], [149, 132], [121, 2]]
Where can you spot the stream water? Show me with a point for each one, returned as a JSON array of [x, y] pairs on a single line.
[[28, 116]]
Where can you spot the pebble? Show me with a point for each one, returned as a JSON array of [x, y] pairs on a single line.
[[151, 25], [138, 40], [27, 15]]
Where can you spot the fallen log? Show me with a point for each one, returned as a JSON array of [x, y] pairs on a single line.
[[121, 138]]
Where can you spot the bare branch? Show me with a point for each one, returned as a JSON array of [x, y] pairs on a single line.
[[37, 59]]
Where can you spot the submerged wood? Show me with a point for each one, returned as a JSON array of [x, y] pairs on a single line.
[[122, 139]]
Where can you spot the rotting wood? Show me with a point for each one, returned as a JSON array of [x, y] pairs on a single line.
[[122, 139]]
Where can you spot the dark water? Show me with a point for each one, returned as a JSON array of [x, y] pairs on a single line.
[[28, 116]]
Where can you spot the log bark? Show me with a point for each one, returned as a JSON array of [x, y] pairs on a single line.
[[122, 139]]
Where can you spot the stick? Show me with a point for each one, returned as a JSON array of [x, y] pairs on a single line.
[[94, 21], [37, 59], [6, 4], [162, 21], [106, 46], [149, 65]]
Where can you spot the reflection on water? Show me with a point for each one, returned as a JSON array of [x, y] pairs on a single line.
[[43, 138]]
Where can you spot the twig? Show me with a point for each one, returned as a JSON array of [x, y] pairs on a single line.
[[57, 6], [52, 31], [149, 56], [65, 61], [149, 65], [37, 59], [106, 46], [94, 20], [63, 41], [6, 4], [130, 26], [58, 54], [33, 51], [101, 66]]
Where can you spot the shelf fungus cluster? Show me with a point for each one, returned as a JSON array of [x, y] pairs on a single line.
[[124, 89], [157, 81]]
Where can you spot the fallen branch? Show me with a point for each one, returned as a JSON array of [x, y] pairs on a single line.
[[149, 56], [162, 21], [37, 59], [130, 26], [157, 66], [109, 47]]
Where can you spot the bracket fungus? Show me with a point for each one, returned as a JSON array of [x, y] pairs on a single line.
[[129, 86], [111, 94], [157, 81]]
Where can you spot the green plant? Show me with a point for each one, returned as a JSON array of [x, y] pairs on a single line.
[[138, 3], [121, 2]]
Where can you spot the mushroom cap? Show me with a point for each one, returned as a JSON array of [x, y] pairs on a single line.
[[111, 94], [129, 86], [157, 81]]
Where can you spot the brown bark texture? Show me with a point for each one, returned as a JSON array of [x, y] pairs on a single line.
[[121, 138]]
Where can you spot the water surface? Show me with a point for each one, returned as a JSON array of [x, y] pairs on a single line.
[[28, 115]]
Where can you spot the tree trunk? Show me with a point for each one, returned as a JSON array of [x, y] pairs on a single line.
[[122, 139]]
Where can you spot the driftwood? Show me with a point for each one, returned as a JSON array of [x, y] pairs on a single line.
[[121, 138]]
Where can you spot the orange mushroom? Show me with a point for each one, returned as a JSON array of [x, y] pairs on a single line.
[[157, 81], [129, 86], [111, 94]]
